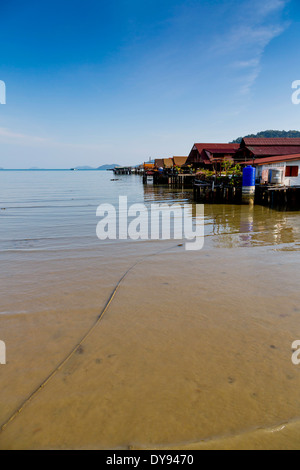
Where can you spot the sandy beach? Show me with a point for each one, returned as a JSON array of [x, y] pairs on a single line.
[[193, 352]]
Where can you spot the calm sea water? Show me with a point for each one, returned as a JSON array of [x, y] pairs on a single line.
[[56, 210], [194, 350]]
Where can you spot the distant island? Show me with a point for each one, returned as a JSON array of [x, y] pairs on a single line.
[[80, 168], [268, 135], [101, 168]]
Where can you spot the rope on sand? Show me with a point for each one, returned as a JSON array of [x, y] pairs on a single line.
[[78, 345]]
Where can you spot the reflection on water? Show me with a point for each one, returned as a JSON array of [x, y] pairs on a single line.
[[238, 225], [194, 350], [57, 211], [253, 226]]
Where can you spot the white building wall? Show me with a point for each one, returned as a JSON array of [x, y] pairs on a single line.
[[287, 181]]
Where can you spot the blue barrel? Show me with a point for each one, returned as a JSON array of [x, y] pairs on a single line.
[[249, 176]]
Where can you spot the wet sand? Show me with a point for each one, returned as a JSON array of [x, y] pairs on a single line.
[[193, 352]]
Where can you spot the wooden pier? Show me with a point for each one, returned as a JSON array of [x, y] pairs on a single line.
[[218, 194], [280, 198], [176, 181], [124, 170]]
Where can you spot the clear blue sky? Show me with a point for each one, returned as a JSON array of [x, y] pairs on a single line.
[[93, 82]]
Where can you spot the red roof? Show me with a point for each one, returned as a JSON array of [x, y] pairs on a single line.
[[218, 148], [159, 162], [216, 156], [278, 141], [274, 150], [204, 150], [274, 159]]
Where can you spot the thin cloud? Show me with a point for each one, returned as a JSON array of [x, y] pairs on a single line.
[[257, 24], [262, 9], [16, 137], [257, 37], [243, 64], [249, 82]]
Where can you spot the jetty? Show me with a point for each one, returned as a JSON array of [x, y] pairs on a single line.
[[275, 197], [217, 194], [122, 170], [280, 198], [165, 178]]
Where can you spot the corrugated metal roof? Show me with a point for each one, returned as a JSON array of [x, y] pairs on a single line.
[[222, 148], [272, 141], [274, 150], [199, 148], [275, 159], [220, 151]]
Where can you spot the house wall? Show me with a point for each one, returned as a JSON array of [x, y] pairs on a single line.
[[287, 181]]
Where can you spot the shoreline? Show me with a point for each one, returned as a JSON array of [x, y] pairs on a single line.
[[134, 342]]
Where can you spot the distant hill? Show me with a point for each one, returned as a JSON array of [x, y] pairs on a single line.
[[268, 135], [107, 167], [103, 167]]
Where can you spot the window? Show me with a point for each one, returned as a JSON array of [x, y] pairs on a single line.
[[292, 171]]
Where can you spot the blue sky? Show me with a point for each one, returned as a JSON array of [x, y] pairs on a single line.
[[99, 82]]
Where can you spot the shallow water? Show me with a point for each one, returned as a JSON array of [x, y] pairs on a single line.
[[193, 352]]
